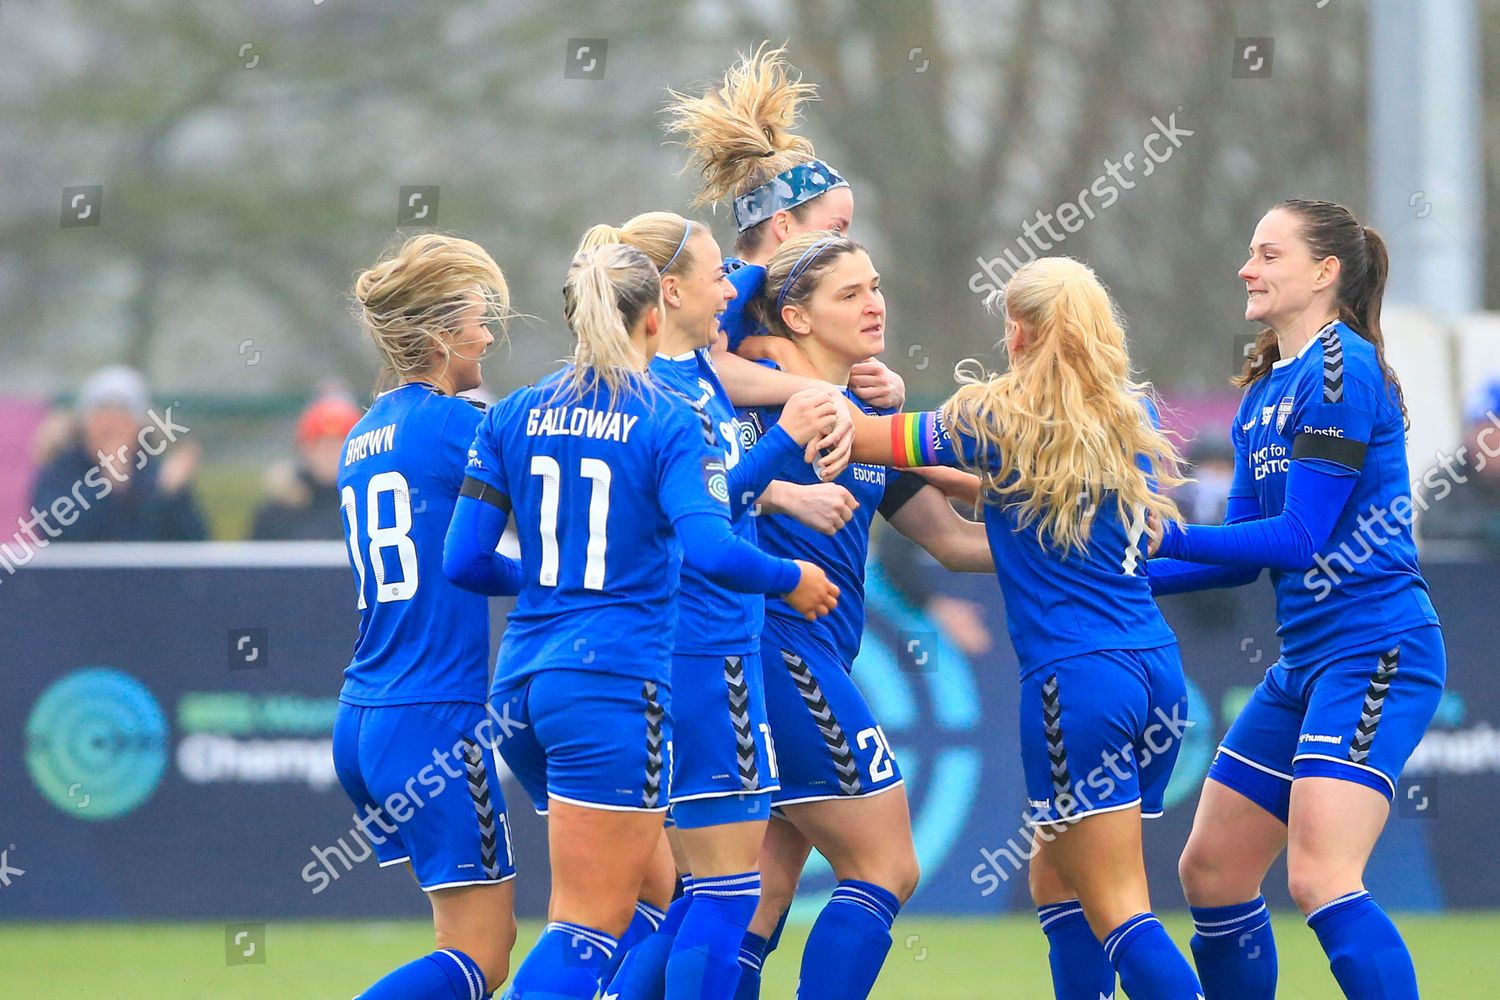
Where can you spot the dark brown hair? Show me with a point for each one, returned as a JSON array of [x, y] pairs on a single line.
[[1331, 230], [800, 262]]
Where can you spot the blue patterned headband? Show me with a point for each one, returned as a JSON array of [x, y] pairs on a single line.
[[786, 190], [803, 263], [678, 252]]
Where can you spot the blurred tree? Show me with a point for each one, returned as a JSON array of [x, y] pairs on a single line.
[[251, 159], [962, 121]]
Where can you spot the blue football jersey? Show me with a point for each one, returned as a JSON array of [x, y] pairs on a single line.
[[1057, 604], [841, 555], [712, 619], [1332, 402], [596, 485], [421, 639]]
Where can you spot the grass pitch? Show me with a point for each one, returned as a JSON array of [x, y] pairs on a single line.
[[1458, 958]]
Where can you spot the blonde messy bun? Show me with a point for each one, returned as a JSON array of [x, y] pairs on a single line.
[[740, 136]]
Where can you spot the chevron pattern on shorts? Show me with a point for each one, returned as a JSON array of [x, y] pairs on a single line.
[[1369, 717], [1057, 754], [828, 726], [739, 717], [1333, 364], [484, 808], [655, 762]]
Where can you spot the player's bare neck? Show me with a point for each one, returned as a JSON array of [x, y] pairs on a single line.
[[1293, 333], [830, 367], [677, 341]]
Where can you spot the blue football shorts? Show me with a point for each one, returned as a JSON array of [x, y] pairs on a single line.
[[1355, 717], [723, 768], [1101, 732], [427, 778], [828, 744], [588, 738]]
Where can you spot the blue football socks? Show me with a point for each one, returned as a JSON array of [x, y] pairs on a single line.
[[1080, 969], [1235, 951]]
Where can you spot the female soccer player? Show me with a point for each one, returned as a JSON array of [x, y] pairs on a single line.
[[740, 138], [723, 773], [1067, 451], [1311, 763], [840, 785], [413, 695], [612, 479]]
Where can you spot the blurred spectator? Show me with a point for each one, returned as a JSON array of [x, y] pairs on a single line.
[[1204, 500], [302, 499], [1461, 494], [111, 477]]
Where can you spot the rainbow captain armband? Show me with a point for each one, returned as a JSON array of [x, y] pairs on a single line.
[[914, 438]]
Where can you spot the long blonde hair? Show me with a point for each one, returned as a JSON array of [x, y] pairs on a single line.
[[608, 289], [661, 236], [415, 295], [741, 135], [1067, 421]]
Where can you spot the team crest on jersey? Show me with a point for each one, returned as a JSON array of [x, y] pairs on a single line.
[[1284, 411], [708, 391]]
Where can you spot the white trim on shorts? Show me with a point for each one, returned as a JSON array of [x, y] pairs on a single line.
[[395, 861], [830, 798], [1348, 763], [1259, 767], [606, 808], [724, 795], [477, 881], [1072, 818]]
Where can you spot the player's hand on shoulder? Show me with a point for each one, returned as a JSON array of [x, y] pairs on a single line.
[[829, 454], [878, 385], [815, 595], [812, 413], [1154, 532]]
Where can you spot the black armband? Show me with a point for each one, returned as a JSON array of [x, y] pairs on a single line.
[[481, 490], [1342, 451], [897, 493]]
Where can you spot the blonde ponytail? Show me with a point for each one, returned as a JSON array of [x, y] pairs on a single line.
[[661, 236], [608, 289]]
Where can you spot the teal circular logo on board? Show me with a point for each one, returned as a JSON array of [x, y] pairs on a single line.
[[96, 743], [1197, 752]]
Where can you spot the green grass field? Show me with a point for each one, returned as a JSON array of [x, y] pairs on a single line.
[[1458, 958]]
